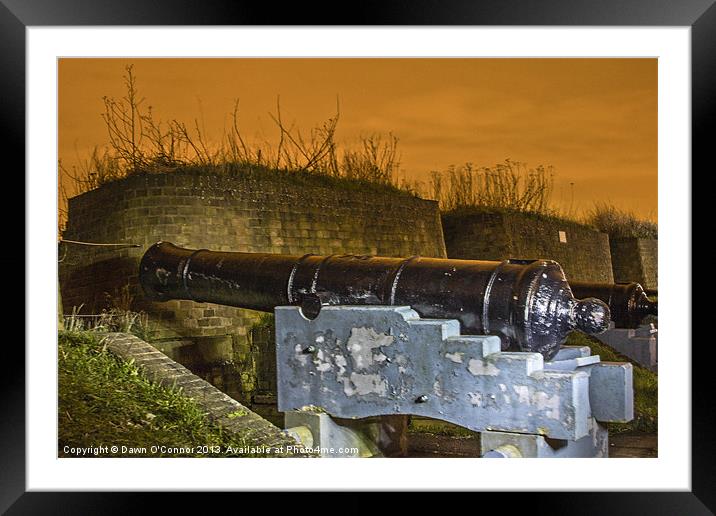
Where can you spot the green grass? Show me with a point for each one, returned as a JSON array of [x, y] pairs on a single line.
[[437, 427], [265, 320], [292, 178], [103, 401], [298, 178], [550, 217]]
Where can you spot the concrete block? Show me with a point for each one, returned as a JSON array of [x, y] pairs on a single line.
[[640, 345], [377, 361], [512, 445]]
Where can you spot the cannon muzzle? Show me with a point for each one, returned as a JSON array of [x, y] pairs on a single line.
[[528, 304], [628, 302]]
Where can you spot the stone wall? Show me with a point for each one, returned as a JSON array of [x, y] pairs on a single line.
[[496, 235], [223, 410], [263, 349], [252, 212], [636, 259]]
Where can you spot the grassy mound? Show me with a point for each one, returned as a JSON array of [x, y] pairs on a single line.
[[103, 401]]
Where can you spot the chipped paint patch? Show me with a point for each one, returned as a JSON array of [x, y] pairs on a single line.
[[341, 362], [523, 392], [322, 363], [300, 355], [361, 344], [541, 400], [348, 389], [455, 357], [481, 368], [550, 404], [475, 398], [323, 367], [368, 384]]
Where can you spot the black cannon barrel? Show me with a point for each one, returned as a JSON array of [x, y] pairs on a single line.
[[527, 303], [628, 302]]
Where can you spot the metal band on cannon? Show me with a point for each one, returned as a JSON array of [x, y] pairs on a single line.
[[528, 304]]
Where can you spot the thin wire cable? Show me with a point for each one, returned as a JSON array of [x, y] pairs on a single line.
[[98, 244]]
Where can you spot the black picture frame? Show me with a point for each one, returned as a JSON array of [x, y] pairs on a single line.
[[17, 15]]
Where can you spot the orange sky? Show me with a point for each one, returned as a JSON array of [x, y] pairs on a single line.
[[594, 120]]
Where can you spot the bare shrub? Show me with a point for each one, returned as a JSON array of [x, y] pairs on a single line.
[[138, 141], [620, 223], [508, 185], [375, 161]]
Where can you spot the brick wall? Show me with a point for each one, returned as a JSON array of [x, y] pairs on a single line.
[[482, 235], [263, 347], [636, 259], [251, 212]]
